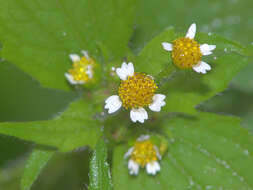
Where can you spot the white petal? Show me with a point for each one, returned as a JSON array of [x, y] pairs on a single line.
[[202, 67], [125, 70], [130, 69], [191, 31], [124, 65], [129, 152], [72, 80], [158, 102], [133, 167], [157, 153], [143, 137], [121, 73], [207, 49], [113, 103], [89, 71], [167, 46], [85, 53], [139, 114], [74, 57], [153, 167]]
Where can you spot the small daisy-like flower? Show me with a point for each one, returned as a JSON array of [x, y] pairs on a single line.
[[143, 154], [187, 53], [136, 91], [82, 70]]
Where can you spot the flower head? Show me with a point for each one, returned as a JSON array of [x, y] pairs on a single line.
[[143, 154], [187, 53], [82, 70], [136, 91]]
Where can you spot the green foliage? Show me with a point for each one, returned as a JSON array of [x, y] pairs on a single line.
[[36, 162], [100, 177], [220, 17], [73, 128], [153, 59], [39, 36], [24, 99], [205, 152]]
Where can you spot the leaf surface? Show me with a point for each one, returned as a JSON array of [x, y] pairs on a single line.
[[205, 152], [74, 128], [38, 36]]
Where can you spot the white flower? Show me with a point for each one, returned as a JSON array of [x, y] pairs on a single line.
[[136, 91], [142, 155], [82, 70], [187, 53]]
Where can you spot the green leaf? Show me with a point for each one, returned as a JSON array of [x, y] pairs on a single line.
[[219, 17], [242, 90], [206, 152], [153, 59], [39, 36], [35, 163], [185, 88], [74, 128], [100, 177], [22, 93]]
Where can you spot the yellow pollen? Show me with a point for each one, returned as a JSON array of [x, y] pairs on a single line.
[[137, 91], [144, 152], [186, 53], [80, 68]]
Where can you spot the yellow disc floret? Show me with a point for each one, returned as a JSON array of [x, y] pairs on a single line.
[[82, 69], [186, 53], [137, 91], [144, 152]]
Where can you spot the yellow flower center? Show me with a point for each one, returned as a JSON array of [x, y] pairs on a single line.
[[137, 91], [80, 68], [186, 53], [144, 152]]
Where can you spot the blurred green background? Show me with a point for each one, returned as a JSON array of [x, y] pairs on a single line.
[[23, 99]]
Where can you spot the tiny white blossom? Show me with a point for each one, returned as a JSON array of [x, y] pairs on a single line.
[[187, 53], [136, 91], [142, 155], [82, 70]]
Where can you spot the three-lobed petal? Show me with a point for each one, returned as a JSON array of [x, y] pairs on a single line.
[[201, 67], [158, 102], [153, 167], [139, 114], [113, 103], [125, 70], [133, 167]]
